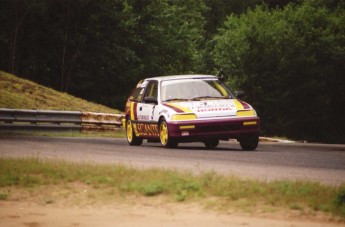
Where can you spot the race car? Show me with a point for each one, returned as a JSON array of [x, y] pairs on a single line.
[[189, 108]]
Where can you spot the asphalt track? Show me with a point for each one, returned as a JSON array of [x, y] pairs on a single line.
[[271, 161]]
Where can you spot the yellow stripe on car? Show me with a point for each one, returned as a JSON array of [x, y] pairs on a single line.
[[133, 118], [221, 89], [132, 110], [238, 105], [246, 113]]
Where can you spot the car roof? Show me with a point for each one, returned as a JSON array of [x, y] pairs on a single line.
[[181, 77]]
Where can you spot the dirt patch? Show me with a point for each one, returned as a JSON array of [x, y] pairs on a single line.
[[34, 215], [81, 207]]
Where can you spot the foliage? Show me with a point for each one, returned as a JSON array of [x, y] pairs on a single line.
[[99, 49], [169, 34], [287, 55], [340, 202], [289, 61]]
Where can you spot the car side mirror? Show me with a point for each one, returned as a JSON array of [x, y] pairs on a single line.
[[240, 94], [151, 99]]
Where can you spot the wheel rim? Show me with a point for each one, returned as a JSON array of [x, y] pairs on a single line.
[[129, 131], [163, 133]]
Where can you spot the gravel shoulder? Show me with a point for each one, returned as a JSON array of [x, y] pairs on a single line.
[[142, 213]]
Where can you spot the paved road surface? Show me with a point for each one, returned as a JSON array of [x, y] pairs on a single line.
[[271, 161]]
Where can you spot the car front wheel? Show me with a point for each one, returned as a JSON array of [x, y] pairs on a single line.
[[211, 143], [165, 140], [249, 142]]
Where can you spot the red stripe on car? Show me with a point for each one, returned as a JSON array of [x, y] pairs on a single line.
[[178, 110]]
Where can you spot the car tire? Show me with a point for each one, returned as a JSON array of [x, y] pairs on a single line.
[[164, 137], [211, 143], [249, 142], [132, 139]]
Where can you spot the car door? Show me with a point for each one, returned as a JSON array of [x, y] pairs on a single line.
[[146, 110]]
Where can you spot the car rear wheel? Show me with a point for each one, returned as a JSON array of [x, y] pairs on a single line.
[[250, 142], [132, 139], [164, 137], [211, 143]]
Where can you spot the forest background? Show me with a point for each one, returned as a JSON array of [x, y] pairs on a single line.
[[287, 55]]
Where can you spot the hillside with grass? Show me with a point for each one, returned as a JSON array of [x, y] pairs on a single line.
[[17, 93]]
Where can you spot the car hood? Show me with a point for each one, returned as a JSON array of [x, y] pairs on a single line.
[[210, 108]]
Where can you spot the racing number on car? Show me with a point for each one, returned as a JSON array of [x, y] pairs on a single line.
[[153, 112]]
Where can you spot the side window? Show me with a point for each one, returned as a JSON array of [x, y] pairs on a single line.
[[152, 89], [138, 92]]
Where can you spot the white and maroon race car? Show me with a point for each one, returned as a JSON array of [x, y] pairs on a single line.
[[189, 108]]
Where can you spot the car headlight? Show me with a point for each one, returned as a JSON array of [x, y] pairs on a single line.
[[183, 117]]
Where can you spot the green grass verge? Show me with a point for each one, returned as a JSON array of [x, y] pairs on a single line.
[[225, 192], [18, 93]]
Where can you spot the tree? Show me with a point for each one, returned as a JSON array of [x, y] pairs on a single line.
[[288, 55], [17, 11], [169, 33], [283, 57]]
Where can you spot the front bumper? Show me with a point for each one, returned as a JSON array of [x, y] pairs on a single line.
[[221, 128]]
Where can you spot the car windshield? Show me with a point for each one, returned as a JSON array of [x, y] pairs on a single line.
[[193, 89]]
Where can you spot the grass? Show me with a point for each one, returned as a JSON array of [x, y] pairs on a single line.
[[222, 192], [3, 196], [17, 93]]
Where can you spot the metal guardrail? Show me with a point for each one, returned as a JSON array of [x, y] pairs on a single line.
[[18, 119]]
